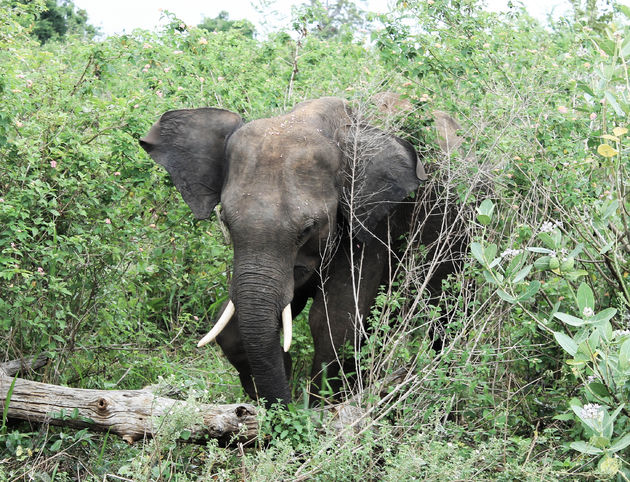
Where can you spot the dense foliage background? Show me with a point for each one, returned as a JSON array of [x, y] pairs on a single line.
[[103, 267]]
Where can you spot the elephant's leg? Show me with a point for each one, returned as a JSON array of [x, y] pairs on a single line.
[[340, 308]]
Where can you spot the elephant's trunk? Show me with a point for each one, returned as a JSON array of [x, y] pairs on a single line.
[[260, 293]]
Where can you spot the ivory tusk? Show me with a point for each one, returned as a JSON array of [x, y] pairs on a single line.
[[219, 325], [287, 327]]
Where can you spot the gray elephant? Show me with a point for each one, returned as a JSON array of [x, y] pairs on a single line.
[[314, 202]]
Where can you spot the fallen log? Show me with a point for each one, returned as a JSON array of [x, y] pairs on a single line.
[[23, 365], [132, 414]]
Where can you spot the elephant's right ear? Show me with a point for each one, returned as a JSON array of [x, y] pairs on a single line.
[[190, 144]]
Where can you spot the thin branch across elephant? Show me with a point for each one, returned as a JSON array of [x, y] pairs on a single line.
[[293, 187]]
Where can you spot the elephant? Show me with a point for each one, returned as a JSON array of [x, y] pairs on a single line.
[[316, 203]]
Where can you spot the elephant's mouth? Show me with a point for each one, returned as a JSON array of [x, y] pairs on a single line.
[[228, 313]]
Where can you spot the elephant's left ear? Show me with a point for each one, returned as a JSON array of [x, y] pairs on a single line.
[[190, 144], [380, 171]]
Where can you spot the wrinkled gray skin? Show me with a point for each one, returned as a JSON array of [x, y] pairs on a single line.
[[284, 184]]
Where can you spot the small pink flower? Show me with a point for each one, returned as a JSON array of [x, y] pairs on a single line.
[[177, 52], [562, 109], [13, 245], [159, 93], [1, 199], [220, 79], [196, 318], [593, 116], [108, 221], [117, 173], [40, 270], [203, 41], [141, 249], [180, 88], [167, 69], [136, 106], [18, 124], [152, 225], [29, 83], [20, 76], [53, 164]]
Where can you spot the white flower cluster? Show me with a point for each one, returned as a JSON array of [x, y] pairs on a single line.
[[591, 378], [592, 411], [510, 253], [587, 312], [549, 226]]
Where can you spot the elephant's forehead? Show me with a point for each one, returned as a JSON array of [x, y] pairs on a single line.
[[284, 145]]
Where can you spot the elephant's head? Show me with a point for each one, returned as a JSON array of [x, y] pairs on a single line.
[[285, 184]]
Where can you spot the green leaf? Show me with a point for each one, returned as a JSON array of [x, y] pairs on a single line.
[[603, 316], [506, 297], [566, 342], [569, 319], [485, 210], [522, 274], [610, 420], [476, 250], [584, 87], [615, 105], [490, 252], [585, 297], [624, 355], [541, 250], [585, 448], [599, 389], [185, 434], [547, 240], [531, 291], [620, 444]]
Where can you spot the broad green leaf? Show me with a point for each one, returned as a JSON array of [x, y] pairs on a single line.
[[531, 291], [612, 100], [505, 296], [610, 421], [620, 444], [490, 252], [569, 319], [599, 389], [522, 274], [585, 297], [547, 240], [566, 342], [484, 219], [611, 208], [603, 316], [477, 251], [486, 207], [606, 151], [515, 264], [585, 448]]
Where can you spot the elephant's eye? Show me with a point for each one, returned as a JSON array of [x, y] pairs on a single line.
[[307, 231]]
